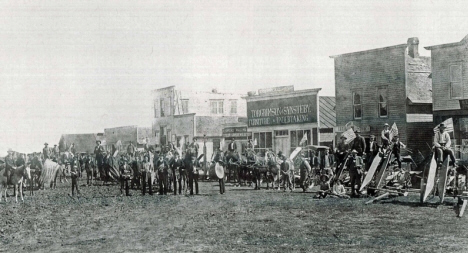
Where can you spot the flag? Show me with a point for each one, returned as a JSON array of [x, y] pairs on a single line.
[[448, 123], [393, 131], [349, 135], [304, 139]]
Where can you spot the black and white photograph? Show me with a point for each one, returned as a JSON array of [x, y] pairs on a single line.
[[233, 126]]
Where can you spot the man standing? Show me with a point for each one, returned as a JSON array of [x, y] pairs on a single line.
[[131, 149], [355, 172], [175, 166], [396, 147], [194, 147], [9, 165], [232, 148], [305, 171], [46, 151], [56, 151], [72, 150], [193, 174], [371, 151], [99, 153], [148, 169], [218, 158], [162, 167], [359, 143], [285, 174], [341, 152], [385, 135], [442, 145]]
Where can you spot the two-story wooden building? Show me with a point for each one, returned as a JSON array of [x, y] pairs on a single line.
[[183, 113], [386, 85], [450, 90]]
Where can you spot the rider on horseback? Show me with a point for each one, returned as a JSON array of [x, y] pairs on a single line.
[[9, 165]]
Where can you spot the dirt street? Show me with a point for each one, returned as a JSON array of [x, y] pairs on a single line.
[[242, 220]]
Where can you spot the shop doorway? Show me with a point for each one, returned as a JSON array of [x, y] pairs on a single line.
[[281, 144]]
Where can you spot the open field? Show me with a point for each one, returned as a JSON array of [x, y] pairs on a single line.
[[242, 220]]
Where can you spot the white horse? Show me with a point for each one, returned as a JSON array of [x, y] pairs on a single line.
[[18, 175]]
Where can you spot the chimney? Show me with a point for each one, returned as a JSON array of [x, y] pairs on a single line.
[[413, 47]]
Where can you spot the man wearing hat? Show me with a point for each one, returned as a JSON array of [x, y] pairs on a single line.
[[442, 145], [193, 148], [355, 172], [372, 149], [46, 151], [341, 152], [396, 146], [55, 151], [99, 153], [9, 165], [359, 143], [285, 172], [385, 135], [304, 169], [131, 149]]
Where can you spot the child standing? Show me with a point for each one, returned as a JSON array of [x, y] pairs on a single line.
[[74, 177]]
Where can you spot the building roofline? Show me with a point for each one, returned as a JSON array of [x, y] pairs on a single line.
[[275, 95], [172, 86], [461, 42], [369, 51]]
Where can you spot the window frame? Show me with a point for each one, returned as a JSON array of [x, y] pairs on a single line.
[[294, 142], [185, 109], [456, 95], [218, 109], [379, 102], [359, 92], [267, 145], [233, 102]]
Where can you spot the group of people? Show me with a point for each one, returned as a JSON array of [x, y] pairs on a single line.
[[171, 168]]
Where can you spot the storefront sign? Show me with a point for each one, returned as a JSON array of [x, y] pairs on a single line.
[[295, 110], [236, 133]]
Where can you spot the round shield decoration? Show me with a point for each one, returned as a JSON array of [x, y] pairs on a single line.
[[219, 171]]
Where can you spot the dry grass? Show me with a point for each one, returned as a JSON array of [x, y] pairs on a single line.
[[242, 220]]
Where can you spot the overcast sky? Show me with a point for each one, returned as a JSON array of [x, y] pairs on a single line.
[[82, 66]]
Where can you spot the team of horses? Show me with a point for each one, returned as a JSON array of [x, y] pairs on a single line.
[[249, 167]]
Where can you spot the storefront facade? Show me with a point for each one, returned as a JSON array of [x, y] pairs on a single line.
[[279, 121]]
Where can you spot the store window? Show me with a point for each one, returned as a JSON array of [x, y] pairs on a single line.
[[456, 86], [300, 138], [383, 105], [233, 106], [217, 106], [264, 141], [357, 105]]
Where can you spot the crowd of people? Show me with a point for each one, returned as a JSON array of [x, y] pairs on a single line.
[[175, 170]]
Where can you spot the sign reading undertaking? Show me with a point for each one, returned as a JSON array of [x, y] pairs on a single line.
[[296, 110]]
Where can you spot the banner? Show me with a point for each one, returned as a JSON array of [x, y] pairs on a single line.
[[349, 135], [448, 123], [393, 131]]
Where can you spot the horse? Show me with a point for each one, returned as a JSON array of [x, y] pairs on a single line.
[[51, 170], [239, 164], [18, 175], [274, 166]]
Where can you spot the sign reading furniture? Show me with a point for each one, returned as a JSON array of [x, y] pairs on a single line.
[[283, 111]]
